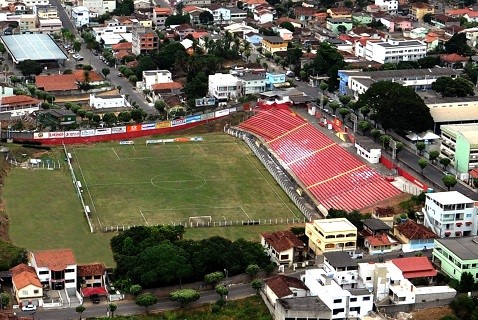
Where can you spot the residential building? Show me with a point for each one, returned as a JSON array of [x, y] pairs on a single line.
[[92, 275], [381, 243], [459, 143], [442, 21], [99, 7], [46, 12], [457, 255], [49, 25], [471, 16], [26, 285], [160, 15], [237, 15], [282, 286], [56, 269], [471, 36], [56, 118], [252, 4], [388, 5], [19, 106], [200, 3], [285, 34], [342, 267], [28, 23], [32, 3], [339, 13], [107, 101], [394, 51], [415, 267], [253, 83], [273, 44], [141, 5], [396, 23], [224, 86], [374, 226], [305, 14], [80, 16], [301, 308], [414, 236], [263, 16], [419, 9], [253, 38], [151, 77], [144, 40], [339, 25], [283, 247], [275, 80], [450, 214], [331, 235]]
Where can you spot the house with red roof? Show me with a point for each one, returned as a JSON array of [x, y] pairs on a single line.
[[18, 106], [27, 287], [415, 267], [281, 286], [283, 247], [381, 243], [414, 236], [56, 269], [92, 279]]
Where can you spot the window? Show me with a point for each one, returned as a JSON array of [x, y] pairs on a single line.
[[69, 270], [366, 299], [44, 272], [97, 277], [36, 291], [337, 311], [368, 278], [69, 280], [337, 300], [353, 299]]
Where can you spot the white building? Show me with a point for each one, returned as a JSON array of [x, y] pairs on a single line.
[[80, 16], [119, 30], [394, 51], [343, 268], [49, 25], [281, 286], [151, 77], [343, 303], [263, 16], [98, 6], [450, 214], [107, 101], [283, 247], [253, 83], [224, 86], [32, 3], [389, 5], [56, 269]]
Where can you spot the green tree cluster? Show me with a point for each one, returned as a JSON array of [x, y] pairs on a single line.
[[328, 61], [355, 217], [457, 44], [448, 87]]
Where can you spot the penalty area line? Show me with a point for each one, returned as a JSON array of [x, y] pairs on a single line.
[[141, 211]]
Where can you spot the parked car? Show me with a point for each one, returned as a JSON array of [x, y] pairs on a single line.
[[29, 307], [95, 298]]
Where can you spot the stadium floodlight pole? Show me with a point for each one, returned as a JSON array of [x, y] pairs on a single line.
[[227, 276]]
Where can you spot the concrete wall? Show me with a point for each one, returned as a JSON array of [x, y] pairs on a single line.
[[393, 309]]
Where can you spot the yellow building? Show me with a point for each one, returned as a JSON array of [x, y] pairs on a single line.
[[273, 44], [340, 13], [419, 9], [327, 235]]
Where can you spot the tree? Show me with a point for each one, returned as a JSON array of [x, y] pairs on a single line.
[[112, 307], [344, 112], [334, 105], [375, 134], [423, 163], [105, 72], [433, 155], [146, 300], [341, 28], [177, 19], [365, 126], [79, 309], [137, 115], [252, 270], [327, 61], [135, 289], [119, 88], [287, 25], [184, 296], [448, 87], [206, 17], [445, 162], [427, 18], [221, 290], [449, 181], [420, 145], [457, 44], [77, 46], [256, 285], [4, 300], [29, 67], [397, 107], [214, 277], [463, 306], [2, 49]]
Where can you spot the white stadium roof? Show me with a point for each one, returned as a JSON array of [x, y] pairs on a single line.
[[39, 47]]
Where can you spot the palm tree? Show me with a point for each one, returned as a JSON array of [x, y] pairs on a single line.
[[80, 309]]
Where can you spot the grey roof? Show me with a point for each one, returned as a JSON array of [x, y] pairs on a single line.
[[60, 112], [339, 259], [251, 77], [340, 20], [365, 81], [300, 99], [32, 47], [273, 39], [408, 43], [359, 292], [236, 10], [304, 303], [110, 96], [407, 73], [464, 248], [376, 224]]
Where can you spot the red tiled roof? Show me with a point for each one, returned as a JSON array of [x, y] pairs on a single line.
[[56, 82], [94, 269], [80, 76], [340, 11], [56, 260], [282, 240], [89, 291], [23, 275], [414, 231], [122, 53], [381, 240], [122, 46], [162, 10], [167, 86], [458, 12], [453, 58], [19, 100], [415, 267], [281, 285]]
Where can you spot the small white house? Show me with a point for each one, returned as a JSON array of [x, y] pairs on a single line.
[[368, 151], [283, 247], [224, 86], [281, 286], [80, 16], [107, 101], [56, 269], [26, 285], [151, 77]]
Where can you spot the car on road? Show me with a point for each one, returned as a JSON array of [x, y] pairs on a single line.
[[120, 75], [29, 307], [77, 57]]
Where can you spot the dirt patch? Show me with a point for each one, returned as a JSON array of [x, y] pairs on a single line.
[[432, 313], [393, 202], [215, 125]]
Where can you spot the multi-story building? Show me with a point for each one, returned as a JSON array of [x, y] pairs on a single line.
[[419, 9], [455, 256], [144, 40], [388, 5], [160, 15], [224, 86], [327, 235], [273, 44], [274, 80], [339, 25], [19, 106], [343, 268], [394, 51], [28, 23], [253, 83], [450, 214], [151, 77], [46, 12], [55, 268], [99, 7], [283, 247], [141, 5], [26, 285], [32, 3], [49, 25], [459, 143], [281, 286], [80, 16]]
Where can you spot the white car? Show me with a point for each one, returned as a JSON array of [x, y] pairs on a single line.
[[29, 307]]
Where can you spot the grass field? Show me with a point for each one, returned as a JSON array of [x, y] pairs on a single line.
[[128, 185]]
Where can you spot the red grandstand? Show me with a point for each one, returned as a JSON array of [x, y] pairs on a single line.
[[332, 175]]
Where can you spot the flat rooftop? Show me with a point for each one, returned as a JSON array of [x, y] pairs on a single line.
[[340, 259], [449, 197], [464, 248], [468, 130], [304, 304], [334, 225], [38, 47]]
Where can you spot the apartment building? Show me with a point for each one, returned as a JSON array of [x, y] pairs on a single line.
[[343, 268], [80, 16], [224, 86], [459, 143], [283, 247], [273, 44], [394, 51], [388, 5], [46, 12], [49, 25], [455, 256], [144, 40], [253, 83], [151, 77], [160, 15], [419, 9], [327, 235], [56, 269], [450, 214], [98, 7]]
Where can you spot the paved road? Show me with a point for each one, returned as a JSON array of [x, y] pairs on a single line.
[[129, 307]]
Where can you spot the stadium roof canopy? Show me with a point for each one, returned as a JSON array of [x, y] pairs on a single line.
[[38, 47]]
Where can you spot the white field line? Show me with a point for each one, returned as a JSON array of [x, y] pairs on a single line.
[[141, 211], [249, 218], [117, 156], [199, 146]]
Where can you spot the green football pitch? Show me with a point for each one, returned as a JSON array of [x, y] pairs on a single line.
[[217, 180]]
